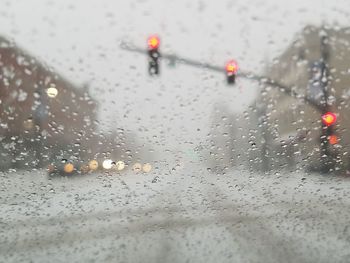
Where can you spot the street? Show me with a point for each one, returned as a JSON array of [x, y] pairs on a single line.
[[203, 131], [175, 215]]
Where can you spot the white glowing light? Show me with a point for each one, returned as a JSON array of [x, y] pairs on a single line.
[[52, 92], [120, 165], [146, 168], [107, 164], [93, 165], [137, 167]]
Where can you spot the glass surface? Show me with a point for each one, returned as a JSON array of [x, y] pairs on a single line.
[[174, 131]]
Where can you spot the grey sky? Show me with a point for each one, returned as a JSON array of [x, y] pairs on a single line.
[[80, 39]]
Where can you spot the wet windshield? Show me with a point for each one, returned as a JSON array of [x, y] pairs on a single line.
[[183, 131]]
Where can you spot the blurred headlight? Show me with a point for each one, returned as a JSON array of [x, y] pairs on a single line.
[[120, 165], [68, 168], [146, 168], [93, 165], [107, 164], [137, 167], [52, 92]]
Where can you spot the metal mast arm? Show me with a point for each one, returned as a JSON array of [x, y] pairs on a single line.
[[172, 58]]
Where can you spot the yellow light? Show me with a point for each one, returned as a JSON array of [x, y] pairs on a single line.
[[120, 165], [137, 167], [68, 168], [52, 92], [107, 164], [231, 67], [329, 118], [93, 165], [153, 42], [146, 168]]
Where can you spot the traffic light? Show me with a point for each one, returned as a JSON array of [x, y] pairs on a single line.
[[329, 118], [333, 139], [153, 55], [231, 71], [328, 121], [329, 139]]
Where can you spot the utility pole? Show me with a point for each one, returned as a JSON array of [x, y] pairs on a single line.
[[40, 116], [327, 129]]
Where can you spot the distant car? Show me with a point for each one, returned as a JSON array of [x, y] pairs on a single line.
[[66, 167], [64, 163]]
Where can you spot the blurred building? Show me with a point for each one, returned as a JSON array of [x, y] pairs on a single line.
[[40, 111], [292, 127]]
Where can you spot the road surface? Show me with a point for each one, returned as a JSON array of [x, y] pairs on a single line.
[[180, 214]]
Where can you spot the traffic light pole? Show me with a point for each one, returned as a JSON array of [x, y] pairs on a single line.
[[173, 59], [327, 156]]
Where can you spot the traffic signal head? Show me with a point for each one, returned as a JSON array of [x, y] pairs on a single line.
[[153, 42], [153, 55], [231, 68], [329, 118]]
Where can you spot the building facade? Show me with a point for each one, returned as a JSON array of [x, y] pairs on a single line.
[[293, 127], [40, 111]]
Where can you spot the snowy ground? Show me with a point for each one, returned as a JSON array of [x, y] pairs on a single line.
[[187, 215]]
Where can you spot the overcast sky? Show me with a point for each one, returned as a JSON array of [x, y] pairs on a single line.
[[80, 39]]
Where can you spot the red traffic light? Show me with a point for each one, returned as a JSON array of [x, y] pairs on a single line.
[[333, 139], [329, 118], [231, 67], [153, 42]]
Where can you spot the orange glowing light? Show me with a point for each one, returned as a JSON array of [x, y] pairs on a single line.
[[153, 42], [329, 118], [231, 67], [68, 168], [333, 139]]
